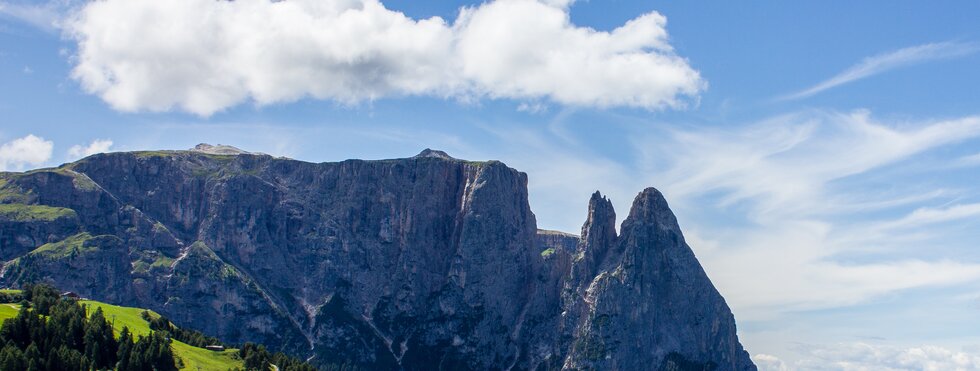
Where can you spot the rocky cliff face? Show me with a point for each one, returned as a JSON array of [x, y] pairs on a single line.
[[422, 263]]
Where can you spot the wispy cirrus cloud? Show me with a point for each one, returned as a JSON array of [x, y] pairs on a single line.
[[888, 61], [785, 163], [932, 215], [970, 160], [44, 16]]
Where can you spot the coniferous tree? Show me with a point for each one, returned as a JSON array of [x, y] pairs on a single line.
[[100, 345], [33, 356], [42, 297], [124, 350]]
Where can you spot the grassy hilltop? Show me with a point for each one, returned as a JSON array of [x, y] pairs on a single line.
[[191, 358]]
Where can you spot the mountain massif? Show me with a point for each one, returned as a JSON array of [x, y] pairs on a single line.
[[421, 263]]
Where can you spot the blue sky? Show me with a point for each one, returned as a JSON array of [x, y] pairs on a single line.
[[822, 158]]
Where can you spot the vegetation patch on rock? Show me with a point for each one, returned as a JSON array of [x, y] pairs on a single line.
[[22, 212], [74, 245]]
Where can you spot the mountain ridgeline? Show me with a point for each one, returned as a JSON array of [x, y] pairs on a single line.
[[421, 263]]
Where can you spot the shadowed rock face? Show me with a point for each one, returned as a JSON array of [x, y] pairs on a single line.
[[421, 263]]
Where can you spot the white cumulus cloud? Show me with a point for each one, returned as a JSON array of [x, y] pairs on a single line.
[[874, 357], [22, 152], [204, 56], [766, 362], [97, 146]]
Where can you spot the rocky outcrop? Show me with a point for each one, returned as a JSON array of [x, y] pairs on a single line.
[[220, 149], [648, 278], [428, 262]]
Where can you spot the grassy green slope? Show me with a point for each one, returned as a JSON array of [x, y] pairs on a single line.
[[193, 358], [8, 311]]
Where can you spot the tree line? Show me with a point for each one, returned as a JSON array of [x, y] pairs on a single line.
[[254, 357], [189, 337], [257, 357]]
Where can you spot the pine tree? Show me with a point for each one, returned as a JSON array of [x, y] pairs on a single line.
[[125, 350], [100, 345], [33, 356]]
